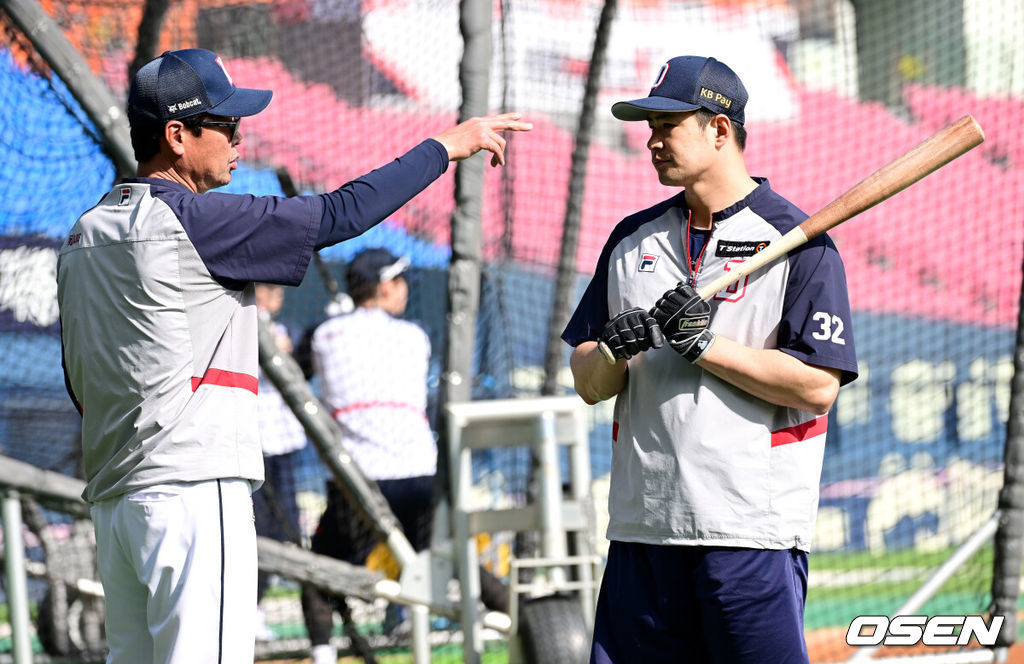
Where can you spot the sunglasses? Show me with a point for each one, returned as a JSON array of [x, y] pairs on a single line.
[[231, 123]]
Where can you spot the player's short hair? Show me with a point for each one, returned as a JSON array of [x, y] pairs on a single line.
[[363, 292], [146, 134], [739, 132]]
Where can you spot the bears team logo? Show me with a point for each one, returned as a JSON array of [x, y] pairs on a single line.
[[220, 63], [660, 78], [647, 263]]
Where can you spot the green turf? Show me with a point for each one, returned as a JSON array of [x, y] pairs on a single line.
[[495, 653], [967, 591], [889, 559], [840, 611]]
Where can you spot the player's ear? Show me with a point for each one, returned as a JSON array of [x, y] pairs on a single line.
[[174, 135], [721, 129]]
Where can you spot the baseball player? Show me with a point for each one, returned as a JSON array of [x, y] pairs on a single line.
[[378, 395], [721, 406], [155, 288]]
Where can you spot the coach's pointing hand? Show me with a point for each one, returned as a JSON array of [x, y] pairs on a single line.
[[475, 134]]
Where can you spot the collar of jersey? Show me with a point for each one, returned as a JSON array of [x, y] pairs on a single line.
[[159, 183], [763, 187]]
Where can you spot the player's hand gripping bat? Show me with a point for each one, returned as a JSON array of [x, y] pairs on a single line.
[[934, 152]]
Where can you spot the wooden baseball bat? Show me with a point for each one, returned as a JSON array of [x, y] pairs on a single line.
[[931, 154]]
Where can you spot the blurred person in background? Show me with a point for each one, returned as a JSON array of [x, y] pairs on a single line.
[[158, 330], [373, 368]]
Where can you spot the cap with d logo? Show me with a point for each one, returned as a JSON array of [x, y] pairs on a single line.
[[179, 84], [686, 83]]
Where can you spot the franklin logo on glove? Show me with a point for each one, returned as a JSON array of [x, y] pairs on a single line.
[[682, 310]]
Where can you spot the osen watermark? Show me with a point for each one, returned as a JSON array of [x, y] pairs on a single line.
[[928, 630]]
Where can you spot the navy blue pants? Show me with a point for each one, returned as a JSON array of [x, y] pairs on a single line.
[[342, 533], [698, 604]]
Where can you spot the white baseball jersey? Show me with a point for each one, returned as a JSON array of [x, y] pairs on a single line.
[[158, 325], [373, 372], [158, 315], [160, 354], [696, 460]]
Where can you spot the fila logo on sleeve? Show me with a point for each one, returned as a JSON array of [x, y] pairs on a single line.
[[647, 262], [126, 196]]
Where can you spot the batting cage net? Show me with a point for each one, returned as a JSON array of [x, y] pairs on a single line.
[[915, 455]]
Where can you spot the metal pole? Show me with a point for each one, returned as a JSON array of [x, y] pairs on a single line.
[[580, 477], [464, 544], [549, 504], [464, 271], [565, 283], [17, 585], [94, 97], [464, 302], [1009, 539], [963, 553]]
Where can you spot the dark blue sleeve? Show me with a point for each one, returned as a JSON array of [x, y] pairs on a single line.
[[816, 325], [243, 238], [591, 313], [366, 201]]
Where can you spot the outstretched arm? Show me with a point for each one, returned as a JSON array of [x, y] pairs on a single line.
[[368, 200], [467, 138]]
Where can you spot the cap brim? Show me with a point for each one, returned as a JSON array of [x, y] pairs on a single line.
[[242, 102], [637, 110], [395, 270]]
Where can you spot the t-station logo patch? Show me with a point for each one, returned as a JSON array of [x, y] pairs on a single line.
[[728, 249], [647, 263]]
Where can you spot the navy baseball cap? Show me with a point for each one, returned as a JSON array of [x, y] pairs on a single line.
[[686, 83], [374, 266], [179, 84]]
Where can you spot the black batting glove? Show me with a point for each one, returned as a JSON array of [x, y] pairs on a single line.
[[684, 317], [631, 332]]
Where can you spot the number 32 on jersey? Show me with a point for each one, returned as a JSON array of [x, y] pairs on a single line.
[[830, 327]]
